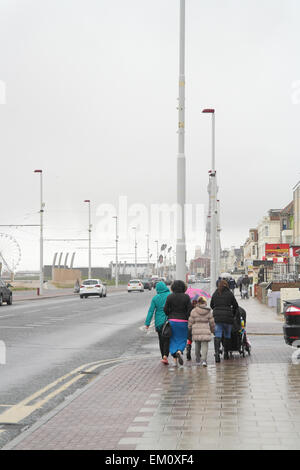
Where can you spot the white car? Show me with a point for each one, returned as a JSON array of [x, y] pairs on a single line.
[[135, 285], [92, 287]]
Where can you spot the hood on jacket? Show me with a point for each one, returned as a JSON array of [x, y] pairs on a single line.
[[161, 287], [202, 310]]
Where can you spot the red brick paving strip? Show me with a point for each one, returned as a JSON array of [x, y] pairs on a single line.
[[100, 416]]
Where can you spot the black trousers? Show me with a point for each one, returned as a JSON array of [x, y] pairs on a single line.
[[163, 343]]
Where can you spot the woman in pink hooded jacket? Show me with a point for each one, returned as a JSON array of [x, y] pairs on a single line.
[[201, 322]]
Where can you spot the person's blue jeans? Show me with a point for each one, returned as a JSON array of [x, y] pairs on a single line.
[[223, 328]]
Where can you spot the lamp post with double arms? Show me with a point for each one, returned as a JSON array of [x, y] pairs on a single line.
[[181, 161]]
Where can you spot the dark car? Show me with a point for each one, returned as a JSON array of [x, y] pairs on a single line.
[[5, 293], [157, 280], [291, 327], [154, 281], [147, 283]]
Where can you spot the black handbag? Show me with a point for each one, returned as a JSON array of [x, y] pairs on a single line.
[[166, 330]]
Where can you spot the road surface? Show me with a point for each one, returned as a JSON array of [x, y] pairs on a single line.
[[52, 345]]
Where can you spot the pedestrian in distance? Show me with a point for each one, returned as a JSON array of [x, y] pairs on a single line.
[[201, 323], [239, 284], [232, 284], [157, 309], [224, 306], [246, 280], [189, 339], [77, 286], [245, 286], [178, 307]]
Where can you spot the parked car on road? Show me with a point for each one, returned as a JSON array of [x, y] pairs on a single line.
[[135, 285], [147, 283], [91, 287], [291, 327], [5, 293]]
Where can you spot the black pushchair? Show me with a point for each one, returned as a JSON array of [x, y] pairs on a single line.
[[239, 341]]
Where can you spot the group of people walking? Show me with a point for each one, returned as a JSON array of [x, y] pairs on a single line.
[[192, 322]]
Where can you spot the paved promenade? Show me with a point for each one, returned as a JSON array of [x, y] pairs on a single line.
[[141, 404]]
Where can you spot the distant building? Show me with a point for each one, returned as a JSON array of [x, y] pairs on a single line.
[[231, 260], [269, 231], [287, 224], [97, 272], [128, 269], [200, 266], [251, 249], [272, 242], [198, 252], [296, 221]]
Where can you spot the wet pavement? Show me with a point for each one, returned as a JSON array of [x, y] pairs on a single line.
[[141, 404]]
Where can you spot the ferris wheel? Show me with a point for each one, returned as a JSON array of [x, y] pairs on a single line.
[[10, 252]]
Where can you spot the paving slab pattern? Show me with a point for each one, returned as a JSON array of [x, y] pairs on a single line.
[[243, 403]]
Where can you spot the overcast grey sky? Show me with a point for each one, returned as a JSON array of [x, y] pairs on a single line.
[[91, 96]]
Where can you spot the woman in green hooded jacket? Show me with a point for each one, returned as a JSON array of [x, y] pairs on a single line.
[[157, 309]]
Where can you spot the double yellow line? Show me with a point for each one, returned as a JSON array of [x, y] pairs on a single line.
[[23, 409]]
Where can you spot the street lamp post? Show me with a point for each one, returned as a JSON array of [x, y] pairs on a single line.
[[41, 232], [156, 241], [214, 208], [135, 252], [117, 262], [90, 239], [169, 266], [163, 249], [181, 164], [148, 253]]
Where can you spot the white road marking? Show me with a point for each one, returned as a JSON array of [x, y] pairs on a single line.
[[52, 308], [15, 327]]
